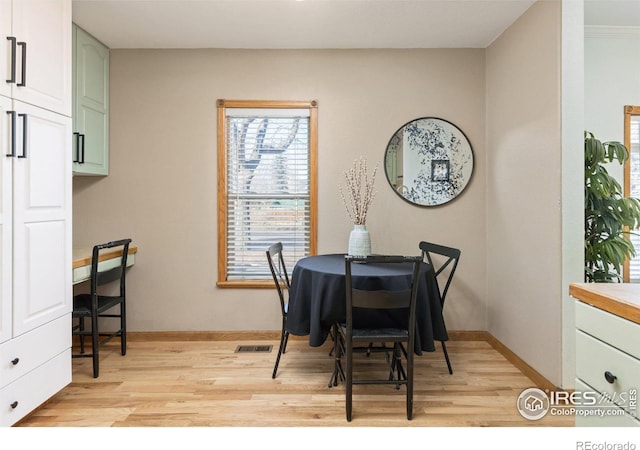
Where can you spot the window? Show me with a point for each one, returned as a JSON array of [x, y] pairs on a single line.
[[632, 181], [267, 188]]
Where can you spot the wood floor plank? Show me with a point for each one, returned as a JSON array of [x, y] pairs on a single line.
[[190, 383]]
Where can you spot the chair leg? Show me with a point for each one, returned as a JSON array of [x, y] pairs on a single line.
[[446, 357], [392, 363], [349, 382], [123, 329], [397, 357], [284, 337], [409, 387], [286, 341], [338, 351], [81, 335], [332, 335], [95, 344]]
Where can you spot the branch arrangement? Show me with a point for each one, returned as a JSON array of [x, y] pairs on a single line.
[[360, 191]]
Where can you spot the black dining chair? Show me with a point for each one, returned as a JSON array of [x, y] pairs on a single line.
[[402, 331], [442, 257], [281, 280], [99, 302]]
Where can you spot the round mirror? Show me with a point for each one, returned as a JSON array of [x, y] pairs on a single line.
[[428, 161]]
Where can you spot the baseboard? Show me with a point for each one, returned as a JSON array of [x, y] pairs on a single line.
[[461, 335], [259, 335], [535, 376], [206, 336]]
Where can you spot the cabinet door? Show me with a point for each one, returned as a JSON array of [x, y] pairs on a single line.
[[5, 31], [5, 222], [45, 27], [91, 105], [41, 219]]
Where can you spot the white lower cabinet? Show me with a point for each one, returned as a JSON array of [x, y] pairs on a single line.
[[35, 275], [607, 367], [29, 373], [27, 393], [31, 350], [613, 415], [35, 204]]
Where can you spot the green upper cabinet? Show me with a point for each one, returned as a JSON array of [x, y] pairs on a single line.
[[90, 105]]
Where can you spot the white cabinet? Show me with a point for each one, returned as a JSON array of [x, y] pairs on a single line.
[[41, 383], [5, 27], [90, 105], [35, 205], [6, 224], [617, 416], [36, 37], [607, 365], [41, 220]]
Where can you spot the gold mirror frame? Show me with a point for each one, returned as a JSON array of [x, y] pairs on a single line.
[[629, 111]]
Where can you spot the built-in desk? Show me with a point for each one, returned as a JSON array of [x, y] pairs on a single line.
[[108, 259]]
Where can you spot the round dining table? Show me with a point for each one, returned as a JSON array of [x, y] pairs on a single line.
[[317, 298]]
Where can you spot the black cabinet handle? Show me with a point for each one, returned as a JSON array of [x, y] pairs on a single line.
[[76, 158], [13, 133], [14, 405], [23, 82], [12, 76], [611, 378], [15, 361], [82, 157], [25, 133]]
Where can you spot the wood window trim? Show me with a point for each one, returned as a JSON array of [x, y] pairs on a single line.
[[629, 111], [222, 105]]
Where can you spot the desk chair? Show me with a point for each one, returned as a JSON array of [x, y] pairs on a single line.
[[357, 335], [451, 255], [96, 303], [281, 280]]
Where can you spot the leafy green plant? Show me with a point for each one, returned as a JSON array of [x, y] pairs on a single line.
[[608, 214]]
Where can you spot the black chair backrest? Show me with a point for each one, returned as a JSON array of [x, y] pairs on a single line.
[[278, 271], [381, 299], [451, 254], [99, 278]]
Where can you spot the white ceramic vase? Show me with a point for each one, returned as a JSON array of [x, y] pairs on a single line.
[[359, 241]]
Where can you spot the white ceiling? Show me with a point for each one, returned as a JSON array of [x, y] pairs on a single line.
[[297, 24], [317, 23]]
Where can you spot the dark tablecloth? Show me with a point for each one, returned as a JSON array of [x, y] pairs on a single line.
[[317, 298]]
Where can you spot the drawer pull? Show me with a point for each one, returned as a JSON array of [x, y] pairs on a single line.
[[611, 378], [15, 361], [14, 405]]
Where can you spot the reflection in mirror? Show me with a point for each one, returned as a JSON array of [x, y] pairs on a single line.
[[428, 161]]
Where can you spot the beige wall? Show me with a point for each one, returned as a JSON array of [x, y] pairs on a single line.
[[161, 190], [524, 216]]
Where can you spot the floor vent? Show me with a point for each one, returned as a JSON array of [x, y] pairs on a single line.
[[253, 348]]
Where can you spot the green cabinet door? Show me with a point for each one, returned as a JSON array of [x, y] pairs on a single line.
[[90, 105]]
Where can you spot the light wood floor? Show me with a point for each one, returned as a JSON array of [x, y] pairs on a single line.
[[205, 383]]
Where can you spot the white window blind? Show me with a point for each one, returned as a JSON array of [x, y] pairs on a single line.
[[634, 264], [268, 188]]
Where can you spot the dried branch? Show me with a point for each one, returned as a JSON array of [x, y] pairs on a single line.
[[360, 191]]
